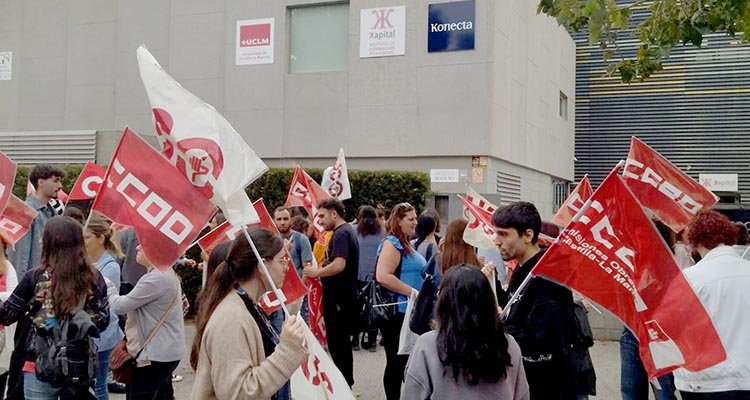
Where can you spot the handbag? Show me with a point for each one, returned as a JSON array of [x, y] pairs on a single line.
[[383, 307], [424, 308], [121, 362]]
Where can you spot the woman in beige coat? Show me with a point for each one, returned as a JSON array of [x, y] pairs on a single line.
[[236, 353]]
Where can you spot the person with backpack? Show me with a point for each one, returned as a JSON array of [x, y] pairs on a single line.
[[370, 234], [399, 269], [425, 243], [103, 249], [154, 330], [60, 306]]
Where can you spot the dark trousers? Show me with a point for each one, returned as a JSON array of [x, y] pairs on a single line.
[[395, 365], [338, 320], [730, 395], [152, 382], [633, 378]]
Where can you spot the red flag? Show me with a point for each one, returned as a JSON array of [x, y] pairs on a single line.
[[315, 310], [143, 190], [29, 188], [292, 286], [88, 182], [613, 255], [15, 220], [7, 179], [479, 230], [574, 202], [305, 192], [671, 194]]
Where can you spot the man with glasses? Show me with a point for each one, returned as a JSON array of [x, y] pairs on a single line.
[[338, 276]]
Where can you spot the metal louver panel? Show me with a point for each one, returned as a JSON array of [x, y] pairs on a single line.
[[508, 188], [695, 112], [54, 147]]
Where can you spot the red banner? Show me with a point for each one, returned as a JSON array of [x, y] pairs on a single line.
[[671, 194], [305, 192], [143, 190], [15, 220], [614, 255], [315, 310], [292, 288], [7, 179], [88, 182], [574, 202]]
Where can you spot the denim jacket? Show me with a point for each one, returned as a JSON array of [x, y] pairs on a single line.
[[28, 250]]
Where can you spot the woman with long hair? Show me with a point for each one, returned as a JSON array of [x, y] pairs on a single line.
[[425, 242], [399, 269], [469, 356], [103, 249], [215, 258], [53, 290], [236, 352], [154, 329], [454, 250]]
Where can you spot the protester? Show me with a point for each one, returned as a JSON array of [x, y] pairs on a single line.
[[101, 245], [338, 278], [425, 242], [131, 270], [469, 356], [152, 309], [431, 212], [8, 283], [381, 216], [301, 224], [634, 382], [236, 354], [399, 270], [721, 280], [300, 254], [541, 320], [369, 235], [216, 220], [683, 252], [75, 213], [55, 289], [46, 181]]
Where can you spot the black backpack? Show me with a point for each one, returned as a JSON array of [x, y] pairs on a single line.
[[66, 355]]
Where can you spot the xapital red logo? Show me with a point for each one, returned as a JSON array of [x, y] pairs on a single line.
[[255, 35], [199, 159]]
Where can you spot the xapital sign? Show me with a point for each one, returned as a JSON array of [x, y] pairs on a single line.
[[450, 26]]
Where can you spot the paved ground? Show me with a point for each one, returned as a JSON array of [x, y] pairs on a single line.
[[368, 369]]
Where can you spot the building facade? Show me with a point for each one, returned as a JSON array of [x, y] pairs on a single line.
[[478, 93]]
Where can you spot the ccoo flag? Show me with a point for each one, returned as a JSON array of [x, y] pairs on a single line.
[[200, 142]]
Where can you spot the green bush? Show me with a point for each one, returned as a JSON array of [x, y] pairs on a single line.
[[376, 188]]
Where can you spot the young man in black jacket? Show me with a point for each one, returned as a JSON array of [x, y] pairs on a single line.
[[541, 319]]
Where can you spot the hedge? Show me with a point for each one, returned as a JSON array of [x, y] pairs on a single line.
[[376, 188]]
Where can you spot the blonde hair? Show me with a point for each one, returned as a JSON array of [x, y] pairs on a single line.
[[101, 226]]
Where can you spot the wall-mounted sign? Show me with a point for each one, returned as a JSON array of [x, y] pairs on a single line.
[[254, 42], [450, 26], [6, 64], [444, 176], [382, 32], [719, 182], [477, 175]]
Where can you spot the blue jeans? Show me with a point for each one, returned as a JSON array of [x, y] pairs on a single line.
[[633, 378], [100, 385], [34, 389]]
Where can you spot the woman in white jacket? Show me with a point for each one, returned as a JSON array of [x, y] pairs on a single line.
[[721, 279]]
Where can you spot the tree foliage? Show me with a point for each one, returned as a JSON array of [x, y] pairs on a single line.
[[669, 24]]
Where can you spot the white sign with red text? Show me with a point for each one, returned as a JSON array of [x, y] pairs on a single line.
[[254, 42], [382, 32]]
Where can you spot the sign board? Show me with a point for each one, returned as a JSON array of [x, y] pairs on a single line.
[[477, 175], [719, 182], [382, 32], [254, 42], [444, 176], [450, 26], [6, 62]]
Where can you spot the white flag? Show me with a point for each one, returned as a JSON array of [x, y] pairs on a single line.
[[477, 233], [201, 143], [318, 378], [336, 179]]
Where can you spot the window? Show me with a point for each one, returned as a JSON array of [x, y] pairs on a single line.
[[319, 38], [563, 106]]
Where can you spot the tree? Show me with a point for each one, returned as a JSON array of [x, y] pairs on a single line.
[[669, 23]]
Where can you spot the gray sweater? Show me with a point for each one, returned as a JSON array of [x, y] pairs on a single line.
[[147, 302], [427, 378]]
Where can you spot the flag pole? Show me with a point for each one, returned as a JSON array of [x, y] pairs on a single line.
[[516, 296], [276, 290]]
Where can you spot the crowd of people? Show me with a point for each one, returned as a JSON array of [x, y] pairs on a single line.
[[73, 283]]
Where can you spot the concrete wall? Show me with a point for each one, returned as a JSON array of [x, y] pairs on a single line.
[[74, 67]]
